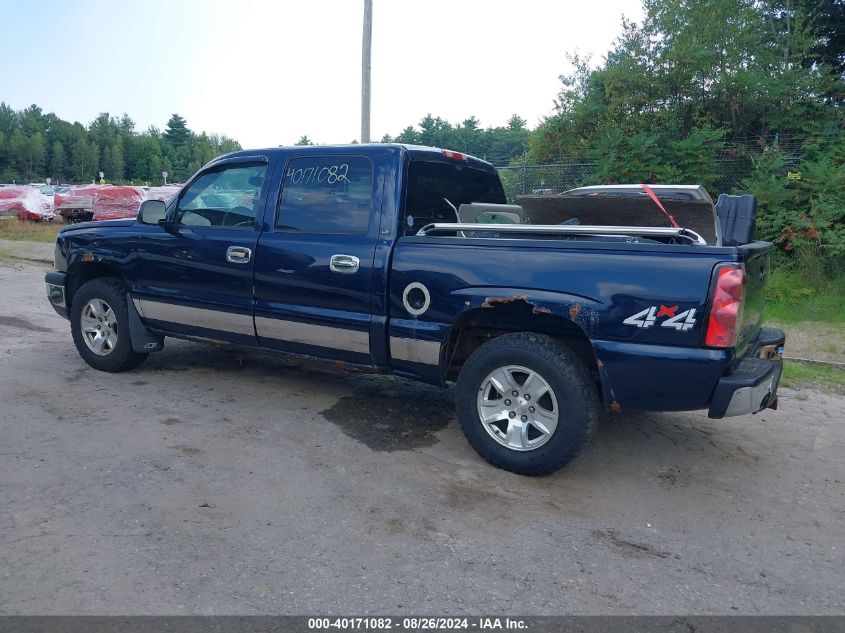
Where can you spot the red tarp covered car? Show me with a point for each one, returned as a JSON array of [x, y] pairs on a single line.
[[27, 203], [115, 202], [99, 202]]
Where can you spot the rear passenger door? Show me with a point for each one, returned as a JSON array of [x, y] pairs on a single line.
[[314, 263]]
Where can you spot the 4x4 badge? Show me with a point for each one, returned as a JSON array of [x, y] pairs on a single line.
[[648, 317]]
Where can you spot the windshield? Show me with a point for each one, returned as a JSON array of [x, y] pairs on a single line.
[[432, 184]]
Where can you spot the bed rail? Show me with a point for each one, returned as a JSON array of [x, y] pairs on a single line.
[[565, 229]]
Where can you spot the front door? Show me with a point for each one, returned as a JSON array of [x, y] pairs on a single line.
[[314, 267], [197, 279]]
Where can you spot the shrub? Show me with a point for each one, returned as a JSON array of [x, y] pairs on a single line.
[[805, 217]]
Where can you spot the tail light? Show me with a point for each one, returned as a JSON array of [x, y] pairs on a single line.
[[726, 306], [447, 153]]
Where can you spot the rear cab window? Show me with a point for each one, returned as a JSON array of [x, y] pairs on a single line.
[[431, 183]]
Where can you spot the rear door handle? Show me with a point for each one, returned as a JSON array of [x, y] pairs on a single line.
[[344, 264], [238, 255]]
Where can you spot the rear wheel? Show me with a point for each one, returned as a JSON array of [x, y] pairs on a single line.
[[99, 322], [526, 403]]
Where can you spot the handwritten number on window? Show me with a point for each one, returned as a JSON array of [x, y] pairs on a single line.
[[316, 176]]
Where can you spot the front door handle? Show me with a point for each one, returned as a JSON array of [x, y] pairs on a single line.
[[238, 255], [344, 264]]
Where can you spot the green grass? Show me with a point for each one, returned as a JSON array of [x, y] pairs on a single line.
[[796, 375], [11, 259], [14, 229], [792, 297]]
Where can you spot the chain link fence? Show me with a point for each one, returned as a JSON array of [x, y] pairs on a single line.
[[532, 179], [733, 166], [545, 179]]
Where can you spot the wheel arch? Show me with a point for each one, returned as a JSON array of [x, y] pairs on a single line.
[[81, 272], [566, 318]]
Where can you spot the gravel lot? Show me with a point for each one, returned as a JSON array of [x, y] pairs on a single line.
[[205, 482]]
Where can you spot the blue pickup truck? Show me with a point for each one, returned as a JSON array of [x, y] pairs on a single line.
[[407, 260]]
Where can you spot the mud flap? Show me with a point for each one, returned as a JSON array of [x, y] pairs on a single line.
[[143, 341]]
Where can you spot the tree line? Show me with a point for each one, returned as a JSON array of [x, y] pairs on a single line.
[[695, 83], [679, 89], [35, 146], [498, 145]]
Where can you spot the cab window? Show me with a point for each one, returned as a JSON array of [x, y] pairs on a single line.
[[327, 194], [436, 189], [225, 197]]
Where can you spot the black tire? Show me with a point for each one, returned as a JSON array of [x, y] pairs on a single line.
[[111, 291], [563, 371]]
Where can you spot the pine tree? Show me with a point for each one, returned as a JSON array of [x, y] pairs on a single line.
[[57, 162], [113, 160], [77, 159], [177, 132]]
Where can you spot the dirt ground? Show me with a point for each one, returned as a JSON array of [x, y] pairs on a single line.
[[207, 483], [816, 341]]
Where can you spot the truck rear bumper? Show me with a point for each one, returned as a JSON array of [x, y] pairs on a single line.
[[753, 384], [752, 387]]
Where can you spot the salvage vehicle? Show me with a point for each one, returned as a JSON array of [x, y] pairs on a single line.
[[358, 255], [26, 203], [82, 203], [77, 204]]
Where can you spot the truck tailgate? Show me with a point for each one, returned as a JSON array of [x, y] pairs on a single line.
[[755, 256]]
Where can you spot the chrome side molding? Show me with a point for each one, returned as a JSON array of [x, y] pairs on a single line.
[[414, 350]]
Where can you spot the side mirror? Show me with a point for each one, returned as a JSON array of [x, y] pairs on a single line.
[[151, 212]]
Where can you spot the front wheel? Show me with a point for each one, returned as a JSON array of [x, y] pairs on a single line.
[[526, 403], [99, 322]]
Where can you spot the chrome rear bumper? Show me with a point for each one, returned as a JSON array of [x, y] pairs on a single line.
[[753, 384]]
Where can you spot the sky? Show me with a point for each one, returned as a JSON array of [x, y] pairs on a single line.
[[266, 72]]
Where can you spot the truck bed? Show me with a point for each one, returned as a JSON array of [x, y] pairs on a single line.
[[595, 286]]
